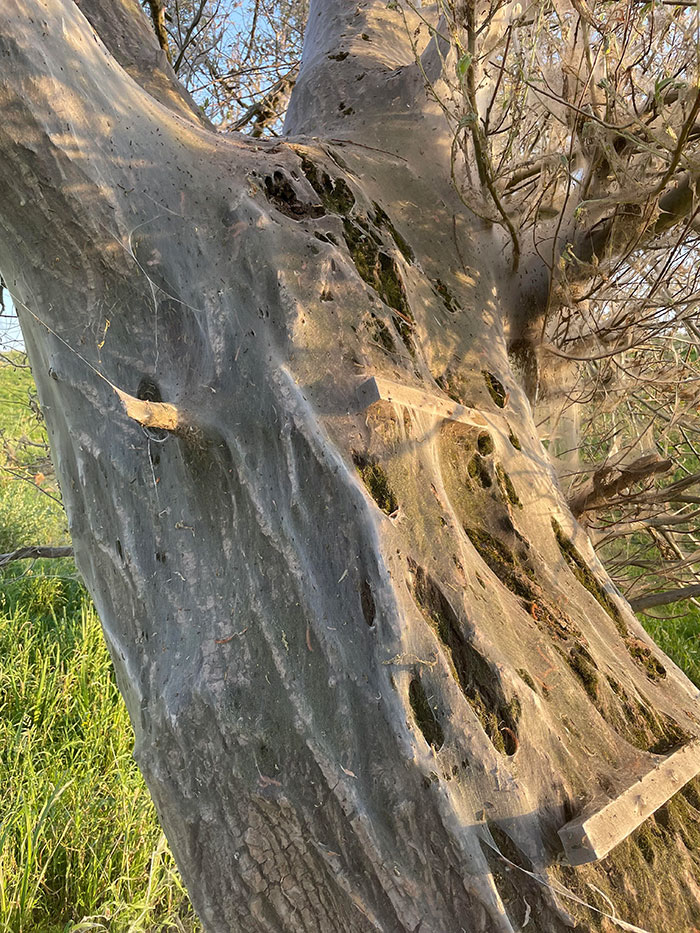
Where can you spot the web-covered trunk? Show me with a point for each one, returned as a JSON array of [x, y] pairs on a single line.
[[366, 650]]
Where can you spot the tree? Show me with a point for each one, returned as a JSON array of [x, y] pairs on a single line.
[[368, 652]]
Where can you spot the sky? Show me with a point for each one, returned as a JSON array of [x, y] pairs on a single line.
[[10, 334]]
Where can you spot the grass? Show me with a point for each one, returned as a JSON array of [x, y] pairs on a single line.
[[80, 844], [677, 633]]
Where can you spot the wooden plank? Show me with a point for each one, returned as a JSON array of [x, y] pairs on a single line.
[[378, 389], [600, 828]]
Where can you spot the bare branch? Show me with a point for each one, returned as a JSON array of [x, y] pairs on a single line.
[[34, 552], [665, 598], [609, 481]]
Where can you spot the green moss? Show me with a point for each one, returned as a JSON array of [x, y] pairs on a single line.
[[647, 840], [643, 726], [496, 388], [507, 487], [526, 677], [515, 889], [375, 267], [381, 219], [513, 438], [426, 719], [501, 560], [478, 470], [452, 384], [391, 287], [377, 483], [484, 444], [665, 733], [335, 196], [586, 578], [646, 659], [381, 334], [448, 299], [282, 195], [477, 678], [583, 665], [364, 249], [615, 686]]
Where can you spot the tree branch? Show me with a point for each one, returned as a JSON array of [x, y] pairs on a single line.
[[123, 28], [665, 598], [608, 482], [157, 8], [266, 110], [157, 415], [34, 552]]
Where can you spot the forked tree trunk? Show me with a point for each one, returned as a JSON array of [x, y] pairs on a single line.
[[364, 648]]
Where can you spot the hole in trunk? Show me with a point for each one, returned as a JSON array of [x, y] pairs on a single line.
[[477, 678], [484, 444], [148, 391], [424, 715], [281, 194], [367, 602], [479, 471], [496, 389]]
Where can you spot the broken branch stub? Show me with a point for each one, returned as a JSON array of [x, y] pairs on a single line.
[[376, 389], [160, 415], [601, 827]]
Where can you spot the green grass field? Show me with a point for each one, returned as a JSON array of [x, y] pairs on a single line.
[[80, 846]]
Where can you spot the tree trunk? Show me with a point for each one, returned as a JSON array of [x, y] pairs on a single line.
[[364, 649]]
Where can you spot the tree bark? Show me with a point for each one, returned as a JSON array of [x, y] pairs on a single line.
[[364, 650]]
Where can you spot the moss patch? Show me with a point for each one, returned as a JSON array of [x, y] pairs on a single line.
[[586, 578], [448, 299], [515, 442], [377, 483], [583, 665], [496, 388], [484, 444], [507, 487], [382, 219], [336, 196], [375, 267], [503, 562], [526, 678], [478, 679], [381, 273], [665, 846], [478, 470], [645, 657], [381, 334], [454, 385]]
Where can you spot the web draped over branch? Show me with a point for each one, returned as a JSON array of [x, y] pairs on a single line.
[[576, 129]]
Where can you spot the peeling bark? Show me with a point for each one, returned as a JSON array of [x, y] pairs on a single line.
[[364, 650]]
